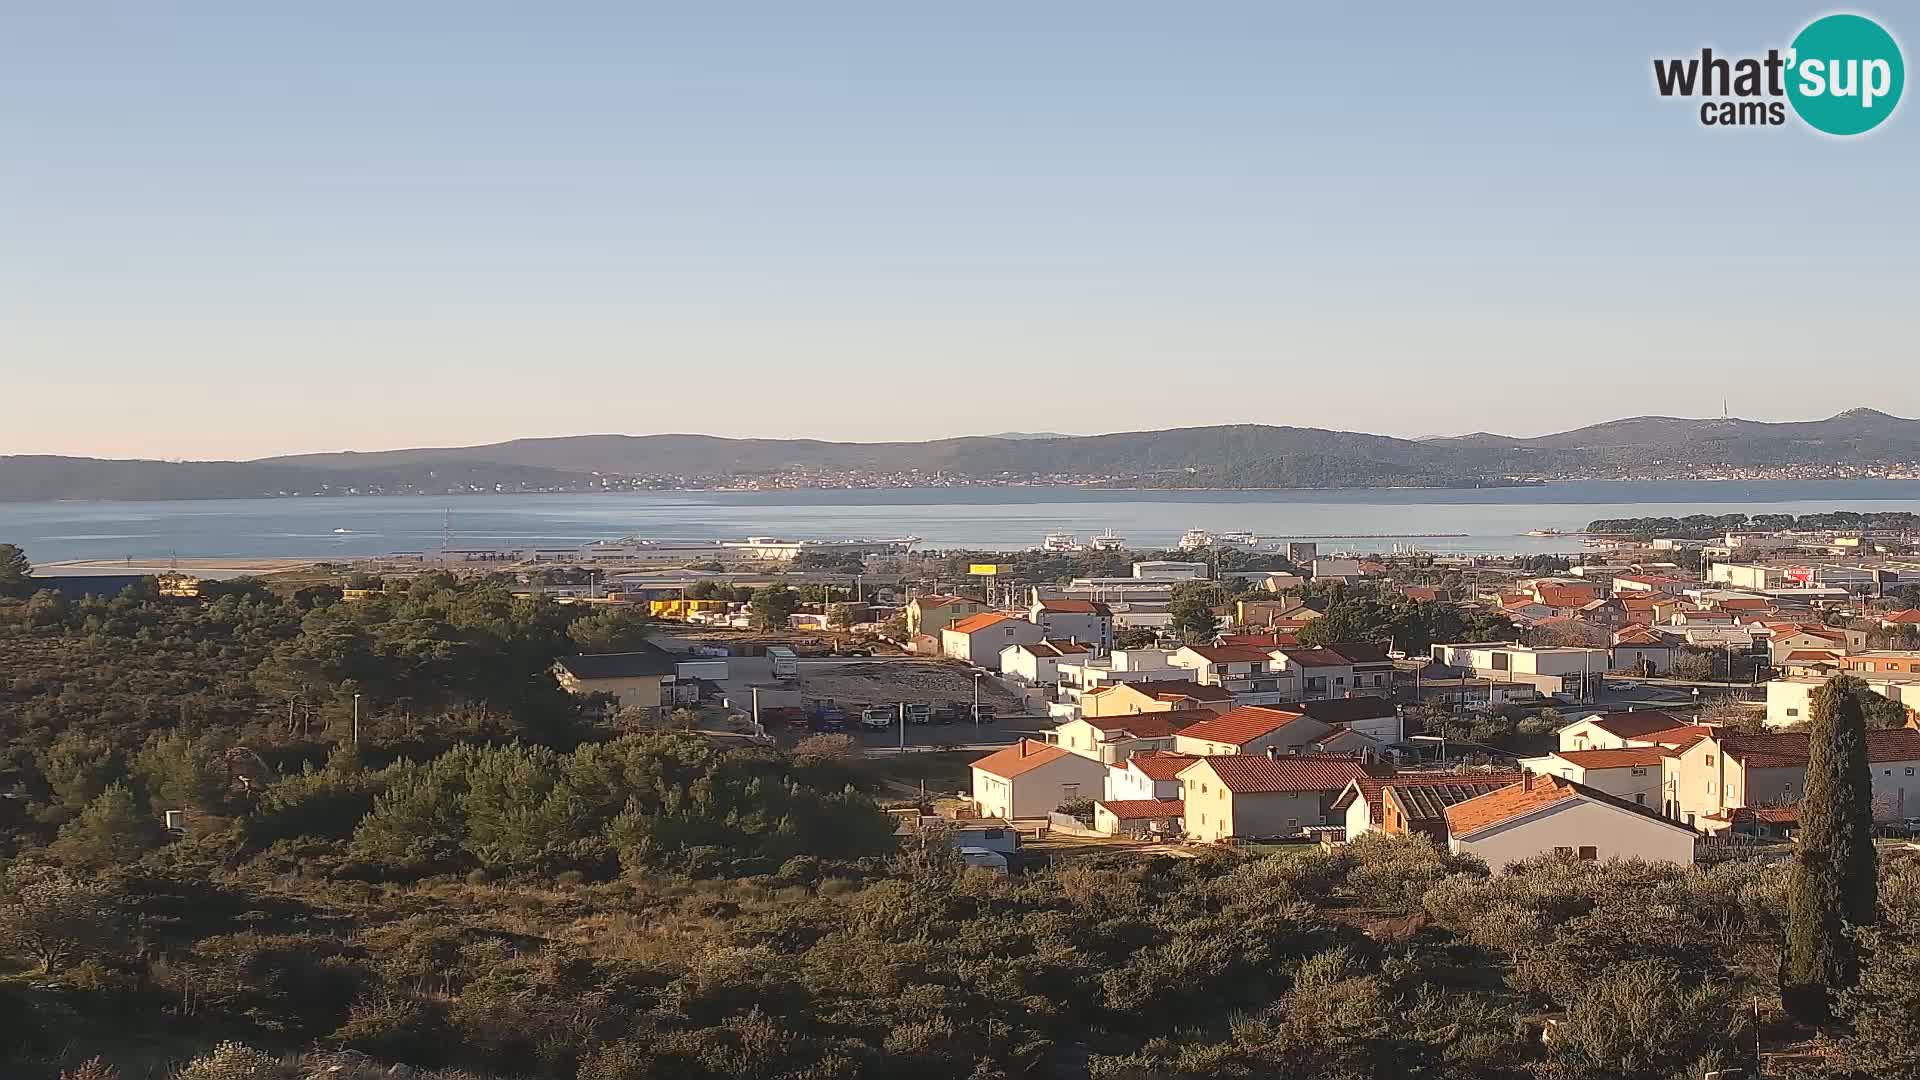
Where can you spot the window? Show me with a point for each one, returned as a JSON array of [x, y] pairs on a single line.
[[993, 834], [1909, 771], [1588, 853], [1293, 823], [1640, 797], [1709, 761], [1563, 851], [1639, 770], [1790, 712], [1069, 792]]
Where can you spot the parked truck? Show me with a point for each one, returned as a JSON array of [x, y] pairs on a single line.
[[786, 662]]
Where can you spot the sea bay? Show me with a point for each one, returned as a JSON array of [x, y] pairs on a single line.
[[1491, 520]]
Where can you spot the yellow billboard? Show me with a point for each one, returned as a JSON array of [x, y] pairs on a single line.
[[984, 569]]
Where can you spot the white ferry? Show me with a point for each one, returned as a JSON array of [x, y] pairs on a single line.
[[1107, 541], [1059, 541]]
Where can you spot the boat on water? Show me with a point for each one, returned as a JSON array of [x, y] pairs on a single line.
[[342, 532], [1195, 539], [1059, 541], [1107, 541], [1545, 532]]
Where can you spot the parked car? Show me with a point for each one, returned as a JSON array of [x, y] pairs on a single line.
[[983, 713], [946, 713], [876, 718], [920, 713]]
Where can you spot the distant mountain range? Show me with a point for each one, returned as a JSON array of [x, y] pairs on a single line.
[[1234, 456]]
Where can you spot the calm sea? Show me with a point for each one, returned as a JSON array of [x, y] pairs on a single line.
[[1491, 520]]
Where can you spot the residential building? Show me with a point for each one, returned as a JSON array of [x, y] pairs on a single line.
[[1250, 796], [1067, 619], [1370, 670], [1634, 773], [1792, 637], [1038, 663], [1114, 739], [1030, 779], [1882, 661], [1644, 650], [1617, 731], [630, 679], [1543, 814], [1726, 770], [1411, 803], [978, 639], [1140, 817], [1790, 698], [1334, 569], [1378, 718], [1249, 673], [1254, 729], [1549, 670], [1318, 672], [1126, 699], [932, 614], [1148, 774]]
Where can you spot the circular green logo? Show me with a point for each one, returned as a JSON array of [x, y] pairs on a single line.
[[1846, 74]]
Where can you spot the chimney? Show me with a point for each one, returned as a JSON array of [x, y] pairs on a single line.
[[1273, 753], [1526, 779]]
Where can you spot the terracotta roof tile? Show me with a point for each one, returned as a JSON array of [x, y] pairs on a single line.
[[1242, 725], [975, 623], [1257, 774], [1630, 757], [1075, 607], [1152, 725], [1160, 764], [1634, 725], [1144, 809], [1529, 795], [1024, 756]]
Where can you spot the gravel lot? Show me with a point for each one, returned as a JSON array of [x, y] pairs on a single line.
[[857, 685]]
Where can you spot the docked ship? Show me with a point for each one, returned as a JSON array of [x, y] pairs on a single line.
[[1107, 541], [1059, 541], [1195, 539]]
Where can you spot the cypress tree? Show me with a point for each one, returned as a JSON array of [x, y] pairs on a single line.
[[1834, 882]]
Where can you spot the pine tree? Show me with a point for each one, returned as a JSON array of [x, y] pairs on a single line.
[[1833, 884]]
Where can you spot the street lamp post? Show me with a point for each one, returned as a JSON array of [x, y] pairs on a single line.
[[356, 720], [976, 704]]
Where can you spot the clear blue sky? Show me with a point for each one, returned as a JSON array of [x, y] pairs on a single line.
[[235, 229]]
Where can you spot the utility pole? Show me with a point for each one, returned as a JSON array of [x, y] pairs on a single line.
[[356, 720], [976, 704], [758, 728], [903, 725]]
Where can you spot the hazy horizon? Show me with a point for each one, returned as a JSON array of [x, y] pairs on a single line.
[[230, 232], [979, 435]]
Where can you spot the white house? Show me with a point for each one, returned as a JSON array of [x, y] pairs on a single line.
[[1038, 663], [1254, 795], [1613, 731], [1114, 739], [979, 639], [1150, 774], [1087, 621], [1543, 814], [1635, 773], [1030, 779], [1251, 729], [1252, 675]]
